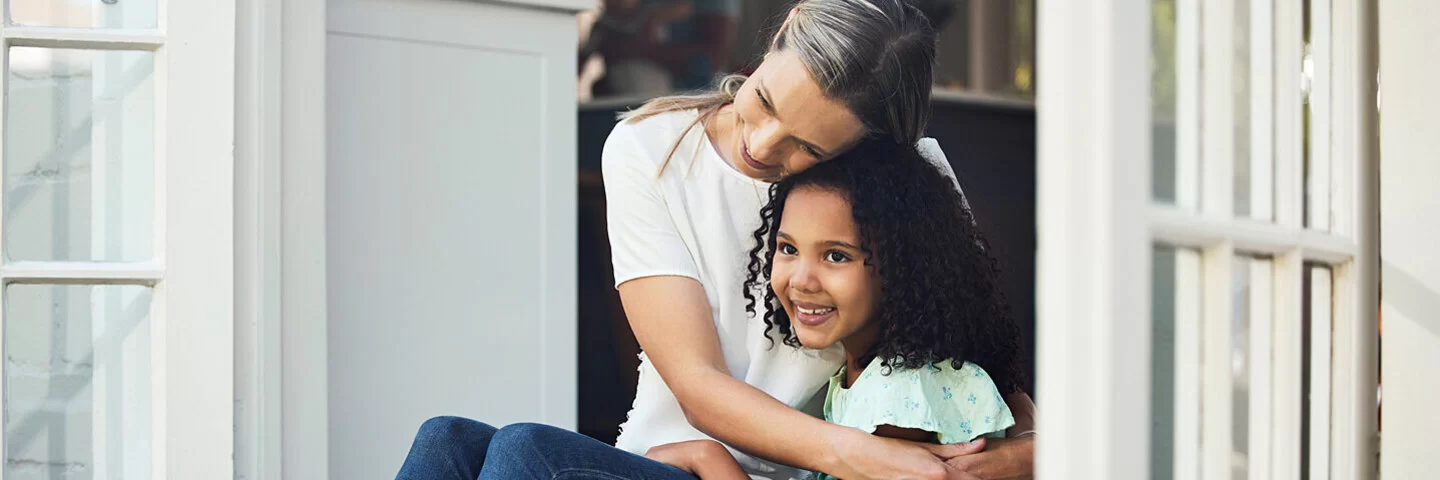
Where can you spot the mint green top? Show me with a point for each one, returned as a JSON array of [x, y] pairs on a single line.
[[958, 405]]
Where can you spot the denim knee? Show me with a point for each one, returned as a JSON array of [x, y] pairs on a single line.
[[454, 428], [522, 435], [447, 448]]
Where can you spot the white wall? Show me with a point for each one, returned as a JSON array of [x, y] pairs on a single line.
[[451, 221], [1410, 263]]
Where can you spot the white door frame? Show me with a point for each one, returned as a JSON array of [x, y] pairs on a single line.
[[1410, 30], [281, 428], [1097, 225]]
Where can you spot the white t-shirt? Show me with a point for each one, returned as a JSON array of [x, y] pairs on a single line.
[[697, 219]]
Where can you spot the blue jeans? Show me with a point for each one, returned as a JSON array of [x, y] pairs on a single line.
[[463, 449]]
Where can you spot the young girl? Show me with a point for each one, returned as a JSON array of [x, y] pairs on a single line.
[[877, 252]]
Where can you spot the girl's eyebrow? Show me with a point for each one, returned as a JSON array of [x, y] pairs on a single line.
[[833, 243]]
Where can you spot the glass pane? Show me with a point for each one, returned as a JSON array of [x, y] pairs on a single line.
[[1242, 107], [84, 13], [79, 155], [1175, 374], [77, 381], [1240, 366], [1250, 320], [1316, 163], [1163, 88]]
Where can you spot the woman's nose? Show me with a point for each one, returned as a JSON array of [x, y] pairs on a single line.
[[765, 141]]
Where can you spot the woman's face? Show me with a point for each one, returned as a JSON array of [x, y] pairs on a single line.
[[783, 124], [819, 273]]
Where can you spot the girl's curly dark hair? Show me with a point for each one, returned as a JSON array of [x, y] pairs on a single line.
[[940, 294]]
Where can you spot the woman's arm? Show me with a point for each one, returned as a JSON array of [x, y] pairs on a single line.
[[707, 459], [671, 318]]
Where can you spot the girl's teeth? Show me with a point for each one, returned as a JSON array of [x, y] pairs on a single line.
[[821, 311]]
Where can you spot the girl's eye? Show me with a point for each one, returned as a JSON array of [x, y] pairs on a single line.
[[787, 249], [813, 153], [836, 257]]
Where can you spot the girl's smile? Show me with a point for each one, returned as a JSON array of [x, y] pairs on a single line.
[[812, 314]]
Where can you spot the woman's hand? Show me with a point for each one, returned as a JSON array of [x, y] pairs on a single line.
[[1001, 458], [707, 459], [862, 456]]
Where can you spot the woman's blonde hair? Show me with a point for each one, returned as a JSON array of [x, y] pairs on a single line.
[[873, 56]]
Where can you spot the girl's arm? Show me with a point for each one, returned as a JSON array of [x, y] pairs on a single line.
[[671, 318]]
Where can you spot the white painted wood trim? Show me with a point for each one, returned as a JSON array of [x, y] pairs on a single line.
[[562, 5], [1355, 436], [1289, 134], [1179, 228], [1217, 120], [1093, 342], [1262, 109], [430, 23], [1286, 363], [1189, 307], [193, 324], [1408, 31], [1187, 104], [1320, 115], [1216, 384], [1262, 386], [303, 310], [1321, 323], [4, 64], [142, 273], [258, 374], [83, 38]]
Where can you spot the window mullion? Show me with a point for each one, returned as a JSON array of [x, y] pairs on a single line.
[[83, 38], [1286, 365], [1217, 118], [1262, 109], [1189, 308], [1320, 115], [142, 273], [1187, 103], [1289, 149], [1261, 405], [1215, 371]]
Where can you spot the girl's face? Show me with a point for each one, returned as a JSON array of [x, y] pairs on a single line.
[[783, 124], [819, 272]]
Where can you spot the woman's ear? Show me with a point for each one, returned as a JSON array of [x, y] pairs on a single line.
[[775, 42]]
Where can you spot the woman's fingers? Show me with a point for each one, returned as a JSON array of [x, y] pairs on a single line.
[[946, 452]]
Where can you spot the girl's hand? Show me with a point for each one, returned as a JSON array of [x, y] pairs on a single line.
[[707, 459], [862, 456]]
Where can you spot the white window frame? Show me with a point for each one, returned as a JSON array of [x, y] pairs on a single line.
[[1098, 223], [192, 269]]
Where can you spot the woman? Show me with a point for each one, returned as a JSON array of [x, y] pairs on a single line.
[[685, 177]]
